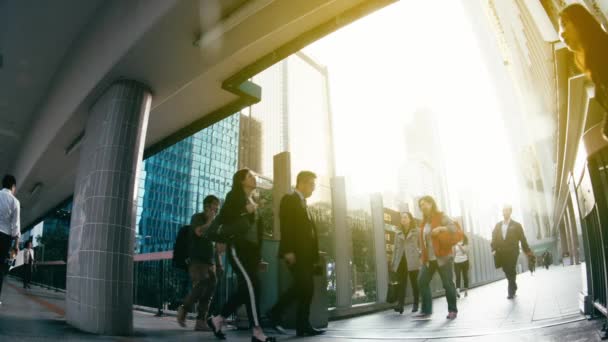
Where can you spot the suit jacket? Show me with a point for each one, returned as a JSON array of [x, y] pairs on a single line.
[[298, 231], [410, 245], [507, 249]]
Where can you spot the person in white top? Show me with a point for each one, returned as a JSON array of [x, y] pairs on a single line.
[[461, 265], [28, 264], [10, 228]]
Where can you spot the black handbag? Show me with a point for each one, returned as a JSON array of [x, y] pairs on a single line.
[[391, 294], [497, 260]]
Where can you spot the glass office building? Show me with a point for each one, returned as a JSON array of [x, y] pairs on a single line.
[[174, 182]]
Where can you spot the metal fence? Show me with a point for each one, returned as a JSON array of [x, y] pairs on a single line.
[[156, 283], [595, 236]]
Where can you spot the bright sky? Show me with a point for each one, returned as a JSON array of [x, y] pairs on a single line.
[[408, 56]]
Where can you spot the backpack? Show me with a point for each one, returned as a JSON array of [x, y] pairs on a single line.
[[180, 248]]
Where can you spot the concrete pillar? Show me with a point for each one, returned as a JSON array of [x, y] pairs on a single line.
[[99, 288], [277, 278], [274, 277], [566, 228], [379, 247], [281, 185], [343, 244], [564, 241], [573, 235]]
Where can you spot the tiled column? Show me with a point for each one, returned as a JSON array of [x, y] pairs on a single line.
[[99, 296]]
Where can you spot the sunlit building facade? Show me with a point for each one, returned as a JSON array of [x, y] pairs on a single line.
[[519, 33], [174, 182]]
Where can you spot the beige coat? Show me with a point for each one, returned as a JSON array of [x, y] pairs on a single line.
[[409, 244]]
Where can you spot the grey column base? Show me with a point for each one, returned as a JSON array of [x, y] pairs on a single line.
[[99, 284]]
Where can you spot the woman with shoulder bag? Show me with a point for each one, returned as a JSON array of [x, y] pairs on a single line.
[[406, 260], [238, 215], [436, 234]]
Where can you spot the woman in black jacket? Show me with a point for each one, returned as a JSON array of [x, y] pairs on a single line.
[[239, 212]]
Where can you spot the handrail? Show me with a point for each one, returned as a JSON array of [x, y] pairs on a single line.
[[153, 256]]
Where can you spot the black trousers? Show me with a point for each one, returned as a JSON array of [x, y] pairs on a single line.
[[245, 260], [402, 275], [5, 245], [301, 292], [509, 266], [462, 272], [27, 274]]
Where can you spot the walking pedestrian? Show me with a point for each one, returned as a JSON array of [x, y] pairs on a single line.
[[10, 224], [532, 263], [201, 265], [238, 215], [506, 237], [28, 264], [547, 259], [461, 265], [438, 232], [406, 260], [300, 249]]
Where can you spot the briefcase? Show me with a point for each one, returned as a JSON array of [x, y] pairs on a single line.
[[497, 261]]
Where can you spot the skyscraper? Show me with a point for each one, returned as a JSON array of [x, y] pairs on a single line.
[[250, 142], [174, 182], [294, 116], [423, 170]]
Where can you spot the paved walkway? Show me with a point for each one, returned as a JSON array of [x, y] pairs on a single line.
[[546, 309]]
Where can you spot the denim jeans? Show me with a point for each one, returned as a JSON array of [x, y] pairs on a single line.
[[424, 280]]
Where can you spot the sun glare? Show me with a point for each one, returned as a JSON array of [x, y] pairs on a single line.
[[404, 59]]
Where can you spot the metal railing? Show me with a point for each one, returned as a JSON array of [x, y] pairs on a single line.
[[47, 274], [156, 283], [595, 236]]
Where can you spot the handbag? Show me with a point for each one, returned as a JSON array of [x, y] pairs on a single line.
[[391, 294]]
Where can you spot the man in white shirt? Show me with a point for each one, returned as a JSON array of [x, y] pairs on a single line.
[[10, 227]]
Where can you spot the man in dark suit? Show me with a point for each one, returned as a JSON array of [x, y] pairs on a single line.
[[506, 237], [299, 248]]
